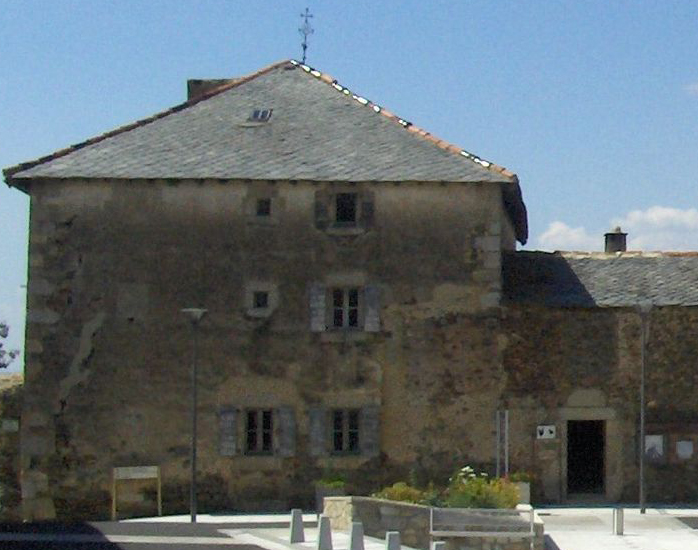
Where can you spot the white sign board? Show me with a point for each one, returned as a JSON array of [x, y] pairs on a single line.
[[136, 472], [546, 431], [9, 425]]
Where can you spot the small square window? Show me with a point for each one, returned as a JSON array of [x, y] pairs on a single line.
[[260, 299], [263, 208], [346, 209], [684, 449]]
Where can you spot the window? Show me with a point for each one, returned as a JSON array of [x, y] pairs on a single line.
[[346, 209], [258, 431], [345, 307], [261, 115], [263, 208], [260, 299], [345, 431]]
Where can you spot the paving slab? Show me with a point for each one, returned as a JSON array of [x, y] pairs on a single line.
[[592, 528]]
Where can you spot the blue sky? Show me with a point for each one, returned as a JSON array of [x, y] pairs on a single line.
[[593, 104]]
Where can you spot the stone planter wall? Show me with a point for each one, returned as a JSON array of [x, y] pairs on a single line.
[[412, 521]]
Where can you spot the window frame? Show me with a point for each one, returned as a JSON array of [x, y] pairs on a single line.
[[346, 308], [345, 431], [263, 435], [263, 207], [348, 224]]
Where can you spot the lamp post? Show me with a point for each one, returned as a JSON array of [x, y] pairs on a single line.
[[195, 315], [644, 309]]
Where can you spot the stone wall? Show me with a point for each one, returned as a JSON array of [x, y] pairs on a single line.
[[10, 410], [574, 364], [113, 262], [379, 516]]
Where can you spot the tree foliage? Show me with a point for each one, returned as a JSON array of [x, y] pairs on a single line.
[[6, 356]]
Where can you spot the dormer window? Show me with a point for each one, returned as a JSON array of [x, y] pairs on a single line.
[[261, 115]]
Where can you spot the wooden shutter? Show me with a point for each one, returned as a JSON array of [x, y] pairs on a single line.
[[318, 433], [318, 313], [372, 321], [369, 431], [367, 209], [285, 432], [322, 209], [227, 432]]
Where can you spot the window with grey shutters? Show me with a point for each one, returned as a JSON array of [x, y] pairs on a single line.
[[286, 426], [227, 430], [344, 210], [341, 308]]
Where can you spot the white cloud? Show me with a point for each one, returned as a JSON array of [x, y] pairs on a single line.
[[661, 228], [656, 228], [692, 89], [560, 236]]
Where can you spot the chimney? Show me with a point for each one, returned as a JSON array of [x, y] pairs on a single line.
[[615, 241], [197, 87]]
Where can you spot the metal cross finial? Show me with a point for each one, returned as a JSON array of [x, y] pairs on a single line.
[[306, 30]]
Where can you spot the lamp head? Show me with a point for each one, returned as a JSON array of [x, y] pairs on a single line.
[[194, 313]]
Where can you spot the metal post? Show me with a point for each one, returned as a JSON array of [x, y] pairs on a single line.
[[195, 315], [506, 442], [192, 487], [618, 521], [642, 415], [644, 310], [499, 441]]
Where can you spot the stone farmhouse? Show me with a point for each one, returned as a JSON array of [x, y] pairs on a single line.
[[368, 314]]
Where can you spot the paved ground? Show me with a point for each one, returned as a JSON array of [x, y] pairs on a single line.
[[566, 529], [591, 529]]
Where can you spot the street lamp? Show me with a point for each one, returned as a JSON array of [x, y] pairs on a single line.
[[195, 315], [644, 309]]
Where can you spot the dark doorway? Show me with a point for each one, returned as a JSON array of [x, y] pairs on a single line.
[[585, 452]]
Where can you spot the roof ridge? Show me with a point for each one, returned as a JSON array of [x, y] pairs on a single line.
[[10, 171], [442, 144]]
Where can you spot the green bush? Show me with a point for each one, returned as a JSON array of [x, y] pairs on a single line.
[[402, 492], [468, 489]]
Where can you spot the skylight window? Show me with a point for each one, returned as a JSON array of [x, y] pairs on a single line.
[[261, 115]]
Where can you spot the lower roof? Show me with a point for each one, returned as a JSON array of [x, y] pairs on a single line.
[[627, 279]]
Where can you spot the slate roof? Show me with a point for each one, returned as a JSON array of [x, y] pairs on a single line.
[[562, 279], [319, 131]]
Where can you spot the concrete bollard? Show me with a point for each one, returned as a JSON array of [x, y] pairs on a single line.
[[618, 521], [439, 545], [392, 540], [324, 536], [356, 536], [297, 534]]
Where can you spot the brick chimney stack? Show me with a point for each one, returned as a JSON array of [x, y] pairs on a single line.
[[615, 241]]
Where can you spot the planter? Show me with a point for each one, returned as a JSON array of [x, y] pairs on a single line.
[[322, 491], [524, 488]]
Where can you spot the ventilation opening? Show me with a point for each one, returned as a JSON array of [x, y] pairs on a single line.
[[261, 115]]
